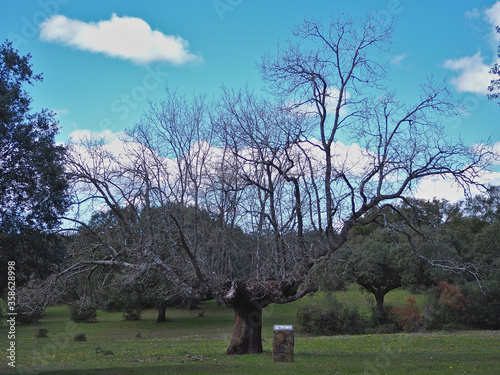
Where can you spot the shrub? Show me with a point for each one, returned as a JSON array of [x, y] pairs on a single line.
[[83, 311], [408, 317], [382, 322], [330, 318], [132, 314], [29, 315], [452, 296], [81, 337], [469, 307], [42, 332], [126, 298]]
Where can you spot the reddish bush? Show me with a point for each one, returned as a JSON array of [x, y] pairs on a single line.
[[452, 296], [408, 317]]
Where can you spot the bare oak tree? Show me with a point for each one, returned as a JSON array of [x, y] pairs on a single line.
[[239, 199]]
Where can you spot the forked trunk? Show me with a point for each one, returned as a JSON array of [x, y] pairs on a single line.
[[247, 332]]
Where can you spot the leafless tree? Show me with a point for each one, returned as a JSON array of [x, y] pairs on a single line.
[[238, 199]]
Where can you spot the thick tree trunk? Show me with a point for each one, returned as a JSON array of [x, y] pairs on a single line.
[[247, 332], [162, 307], [379, 298]]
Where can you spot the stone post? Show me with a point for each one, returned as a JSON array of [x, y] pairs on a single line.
[[283, 341]]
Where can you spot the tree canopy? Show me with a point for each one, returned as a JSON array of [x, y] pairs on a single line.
[[33, 185]]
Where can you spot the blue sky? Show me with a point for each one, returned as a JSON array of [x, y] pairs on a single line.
[[99, 72]]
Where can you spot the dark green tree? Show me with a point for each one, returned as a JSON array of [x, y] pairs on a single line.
[[374, 259], [33, 187]]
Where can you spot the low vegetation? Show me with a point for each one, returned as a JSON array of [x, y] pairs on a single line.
[[190, 344]]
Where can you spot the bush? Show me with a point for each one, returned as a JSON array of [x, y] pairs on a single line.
[[408, 317], [125, 298], [29, 315], [132, 314], [469, 307], [83, 311], [81, 337], [42, 332], [382, 322], [330, 318]]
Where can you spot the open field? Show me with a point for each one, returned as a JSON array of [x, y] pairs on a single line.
[[193, 344]]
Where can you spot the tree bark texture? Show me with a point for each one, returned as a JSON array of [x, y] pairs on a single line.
[[379, 298], [247, 332]]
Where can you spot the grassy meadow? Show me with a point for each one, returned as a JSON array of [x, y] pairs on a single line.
[[195, 342]]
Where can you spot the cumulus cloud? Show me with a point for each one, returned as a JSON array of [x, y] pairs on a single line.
[[128, 38], [473, 73]]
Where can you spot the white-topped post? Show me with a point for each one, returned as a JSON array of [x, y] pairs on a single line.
[[283, 341]]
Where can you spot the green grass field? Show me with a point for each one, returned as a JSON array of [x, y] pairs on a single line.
[[193, 344]]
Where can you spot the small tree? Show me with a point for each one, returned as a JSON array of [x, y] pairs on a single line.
[[378, 264]]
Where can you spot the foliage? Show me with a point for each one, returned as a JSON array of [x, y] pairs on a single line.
[[83, 311], [451, 296], [81, 336], [129, 299], [330, 318], [30, 314], [33, 184], [408, 317], [475, 307], [483, 310], [382, 321], [132, 314], [377, 259], [42, 332], [101, 352]]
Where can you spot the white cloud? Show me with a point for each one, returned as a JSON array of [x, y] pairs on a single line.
[[398, 60], [493, 14], [112, 141], [473, 74], [473, 13], [128, 38]]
